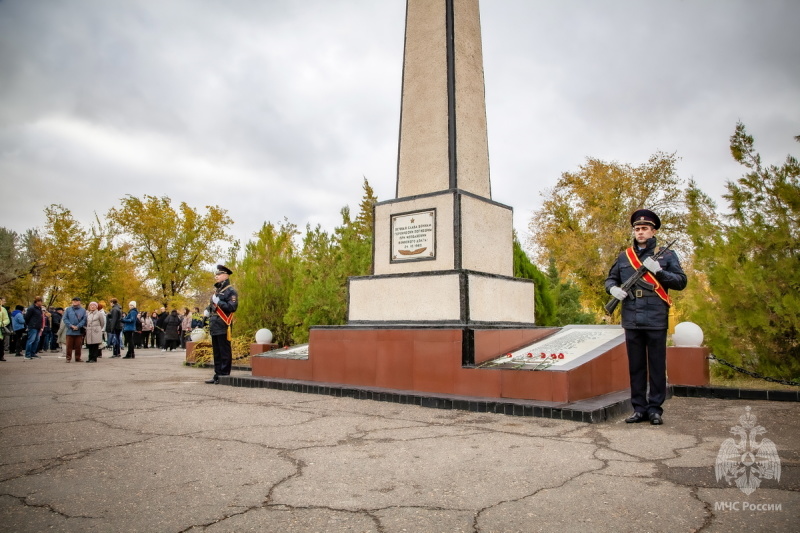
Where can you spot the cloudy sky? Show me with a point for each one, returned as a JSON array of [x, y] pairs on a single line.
[[279, 108]]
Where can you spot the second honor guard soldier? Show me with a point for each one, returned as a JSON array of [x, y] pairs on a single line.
[[223, 304], [645, 314]]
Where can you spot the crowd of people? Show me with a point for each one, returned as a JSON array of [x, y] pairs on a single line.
[[28, 332]]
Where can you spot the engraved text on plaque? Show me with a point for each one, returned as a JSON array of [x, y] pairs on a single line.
[[414, 236]]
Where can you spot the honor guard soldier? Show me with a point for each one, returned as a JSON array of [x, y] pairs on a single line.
[[645, 314], [223, 305]]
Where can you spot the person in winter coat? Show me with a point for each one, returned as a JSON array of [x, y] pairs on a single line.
[[95, 326], [114, 327], [172, 331], [159, 328], [5, 321], [61, 337], [46, 337], [137, 334], [153, 334], [186, 326], [34, 321], [74, 322], [55, 320], [147, 328], [645, 314], [198, 320], [128, 330], [18, 325]]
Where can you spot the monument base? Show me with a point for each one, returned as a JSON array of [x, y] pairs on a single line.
[[593, 410], [445, 360], [258, 347], [460, 297]]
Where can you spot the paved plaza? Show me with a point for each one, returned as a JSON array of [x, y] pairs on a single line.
[[144, 445]]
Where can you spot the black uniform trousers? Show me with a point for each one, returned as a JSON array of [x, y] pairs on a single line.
[[647, 355], [222, 354]]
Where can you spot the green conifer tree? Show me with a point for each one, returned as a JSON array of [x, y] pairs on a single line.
[[265, 280], [567, 296], [316, 290], [319, 294], [544, 304], [750, 261]]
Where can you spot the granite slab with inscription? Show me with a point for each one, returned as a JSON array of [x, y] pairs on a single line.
[[299, 351], [566, 349]]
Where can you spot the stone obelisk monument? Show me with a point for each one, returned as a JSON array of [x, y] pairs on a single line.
[[442, 303], [443, 251]]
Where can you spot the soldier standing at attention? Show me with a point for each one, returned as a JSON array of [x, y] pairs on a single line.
[[645, 314], [223, 304]]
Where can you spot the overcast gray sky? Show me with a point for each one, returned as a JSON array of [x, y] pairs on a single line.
[[278, 108]]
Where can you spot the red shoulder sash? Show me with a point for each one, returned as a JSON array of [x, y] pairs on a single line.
[[227, 318], [648, 277]]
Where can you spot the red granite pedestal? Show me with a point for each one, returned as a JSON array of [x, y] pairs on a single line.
[[190, 351], [257, 347], [444, 360], [688, 366]]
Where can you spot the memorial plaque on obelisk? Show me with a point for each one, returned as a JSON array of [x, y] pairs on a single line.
[[443, 248]]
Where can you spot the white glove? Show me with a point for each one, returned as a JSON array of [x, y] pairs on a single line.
[[215, 299], [618, 293], [651, 265]]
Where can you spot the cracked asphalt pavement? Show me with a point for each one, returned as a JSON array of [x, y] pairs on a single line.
[[145, 445]]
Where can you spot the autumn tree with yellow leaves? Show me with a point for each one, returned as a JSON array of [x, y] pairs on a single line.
[[171, 246]]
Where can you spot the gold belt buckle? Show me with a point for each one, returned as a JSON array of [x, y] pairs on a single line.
[[639, 293]]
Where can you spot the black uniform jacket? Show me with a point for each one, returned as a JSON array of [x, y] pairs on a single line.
[[228, 302], [114, 319], [34, 318], [55, 320], [643, 308]]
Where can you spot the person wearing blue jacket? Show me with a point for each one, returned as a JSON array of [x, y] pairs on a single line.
[[18, 325], [74, 324], [129, 328]]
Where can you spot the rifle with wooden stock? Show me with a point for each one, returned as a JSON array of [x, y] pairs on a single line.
[[631, 281]]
